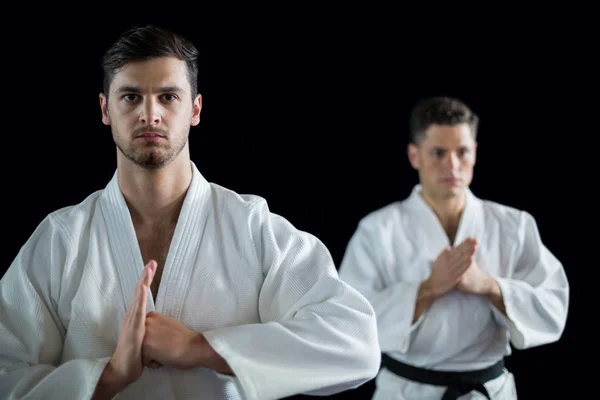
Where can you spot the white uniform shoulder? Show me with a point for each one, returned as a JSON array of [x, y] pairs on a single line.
[[76, 218], [510, 218], [230, 203], [55, 240], [388, 215]]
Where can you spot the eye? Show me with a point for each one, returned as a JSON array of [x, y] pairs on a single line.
[[463, 152], [130, 97], [169, 97], [437, 153]]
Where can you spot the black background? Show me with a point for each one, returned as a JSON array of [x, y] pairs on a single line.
[[308, 108]]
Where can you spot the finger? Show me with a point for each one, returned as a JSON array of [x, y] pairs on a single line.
[[460, 281], [458, 273], [466, 250], [147, 362], [153, 264], [140, 309], [458, 257], [469, 246], [131, 310], [471, 240], [461, 268], [147, 355], [462, 245], [468, 243], [143, 277], [444, 254], [152, 270], [465, 257], [456, 254], [461, 263], [154, 364], [473, 246]]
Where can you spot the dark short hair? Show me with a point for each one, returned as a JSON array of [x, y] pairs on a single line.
[[440, 110], [145, 43]]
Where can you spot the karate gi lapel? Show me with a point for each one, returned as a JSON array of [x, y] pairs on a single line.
[[179, 263], [431, 233], [470, 221], [123, 241], [185, 245]]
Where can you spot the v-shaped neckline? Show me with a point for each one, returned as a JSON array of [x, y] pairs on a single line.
[[463, 222], [184, 242]]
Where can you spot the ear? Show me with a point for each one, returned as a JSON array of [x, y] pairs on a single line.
[[196, 108], [104, 109], [413, 155]]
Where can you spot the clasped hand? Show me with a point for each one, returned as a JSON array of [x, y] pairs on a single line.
[[151, 340], [456, 268]]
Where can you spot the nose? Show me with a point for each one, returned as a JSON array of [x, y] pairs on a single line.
[[150, 113], [452, 161]]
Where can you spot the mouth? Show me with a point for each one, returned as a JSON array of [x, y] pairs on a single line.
[[150, 136], [451, 181]]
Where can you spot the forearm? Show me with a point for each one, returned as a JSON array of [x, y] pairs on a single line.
[[108, 384], [337, 353], [73, 379], [205, 356], [494, 295], [425, 298], [534, 315]]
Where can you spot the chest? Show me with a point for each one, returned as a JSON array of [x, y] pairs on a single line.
[[155, 249], [205, 283], [410, 255], [155, 246]]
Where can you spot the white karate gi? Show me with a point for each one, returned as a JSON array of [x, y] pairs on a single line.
[[391, 253], [266, 296]]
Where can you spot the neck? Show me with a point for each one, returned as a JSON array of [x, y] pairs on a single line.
[[447, 209], [155, 197]]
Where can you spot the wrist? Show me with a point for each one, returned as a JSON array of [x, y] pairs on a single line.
[[205, 356], [496, 297], [199, 351], [109, 384], [426, 292], [492, 288]]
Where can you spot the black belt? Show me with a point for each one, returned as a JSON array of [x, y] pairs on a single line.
[[458, 382]]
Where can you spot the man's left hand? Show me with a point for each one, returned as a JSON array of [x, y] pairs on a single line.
[[476, 281]]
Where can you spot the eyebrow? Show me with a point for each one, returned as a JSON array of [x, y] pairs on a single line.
[[439, 148], [133, 89]]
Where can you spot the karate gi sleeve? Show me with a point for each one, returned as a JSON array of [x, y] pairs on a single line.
[[394, 304], [31, 332], [317, 335], [536, 295]]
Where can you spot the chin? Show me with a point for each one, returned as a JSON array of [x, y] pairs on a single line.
[[454, 191], [151, 160]]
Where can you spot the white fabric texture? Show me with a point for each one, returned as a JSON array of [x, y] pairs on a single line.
[[266, 296], [391, 253]]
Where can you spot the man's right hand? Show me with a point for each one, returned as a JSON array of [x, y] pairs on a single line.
[[447, 269], [125, 366]]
